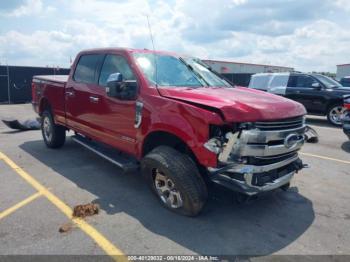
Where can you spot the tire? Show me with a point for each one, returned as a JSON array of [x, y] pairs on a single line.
[[54, 135], [189, 192], [333, 114]]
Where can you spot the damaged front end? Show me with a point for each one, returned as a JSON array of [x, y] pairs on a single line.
[[257, 157]]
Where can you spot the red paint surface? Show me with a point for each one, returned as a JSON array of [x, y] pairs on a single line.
[[170, 109]]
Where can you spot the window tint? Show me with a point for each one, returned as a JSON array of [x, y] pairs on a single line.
[[345, 82], [301, 81], [260, 82], [115, 64], [87, 68]]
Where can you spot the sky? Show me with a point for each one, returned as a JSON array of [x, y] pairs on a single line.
[[309, 35]]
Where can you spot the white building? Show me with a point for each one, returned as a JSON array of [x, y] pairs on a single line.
[[342, 71], [225, 67]]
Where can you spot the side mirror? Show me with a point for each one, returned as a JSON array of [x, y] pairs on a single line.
[[114, 82], [316, 86], [117, 87]]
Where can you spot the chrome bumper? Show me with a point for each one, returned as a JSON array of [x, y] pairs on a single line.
[[225, 176], [245, 186], [243, 169]]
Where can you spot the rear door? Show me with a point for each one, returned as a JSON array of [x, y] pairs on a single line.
[[300, 89], [82, 95]]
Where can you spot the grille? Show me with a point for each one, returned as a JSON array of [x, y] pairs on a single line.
[[283, 124], [261, 161]]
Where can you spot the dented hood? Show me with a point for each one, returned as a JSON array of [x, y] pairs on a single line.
[[238, 104]]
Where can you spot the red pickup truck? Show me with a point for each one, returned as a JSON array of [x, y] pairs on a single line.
[[177, 120]]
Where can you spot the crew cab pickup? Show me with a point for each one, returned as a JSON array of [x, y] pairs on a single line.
[[177, 120]]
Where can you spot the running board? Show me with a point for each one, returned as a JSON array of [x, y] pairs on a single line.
[[123, 161]]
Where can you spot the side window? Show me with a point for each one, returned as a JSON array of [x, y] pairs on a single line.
[[279, 81], [304, 81], [259, 82], [115, 64], [87, 68], [278, 84]]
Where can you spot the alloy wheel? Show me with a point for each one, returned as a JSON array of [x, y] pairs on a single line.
[[335, 114], [167, 191], [47, 129]]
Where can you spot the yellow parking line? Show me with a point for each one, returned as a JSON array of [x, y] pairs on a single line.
[[19, 205], [326, 158], [100, 240]]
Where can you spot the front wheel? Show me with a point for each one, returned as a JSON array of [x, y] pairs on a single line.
[[54, 135], [175, 179], [335, 113]]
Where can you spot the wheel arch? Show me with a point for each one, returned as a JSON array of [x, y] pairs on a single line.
[[44, 104], [165, 138]]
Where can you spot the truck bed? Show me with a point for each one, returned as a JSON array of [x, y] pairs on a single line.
[[62, 79], [51, 88]]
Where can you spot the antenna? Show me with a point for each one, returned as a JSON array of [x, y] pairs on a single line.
[[154, 51]]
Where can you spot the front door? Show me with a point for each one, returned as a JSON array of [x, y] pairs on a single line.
[[301, 90], [116, 124]]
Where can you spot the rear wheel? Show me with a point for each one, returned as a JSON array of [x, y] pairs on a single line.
[[175, 179], [334, 114], [54, 135]]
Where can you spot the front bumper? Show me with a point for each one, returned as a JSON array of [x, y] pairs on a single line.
[[251, 180]]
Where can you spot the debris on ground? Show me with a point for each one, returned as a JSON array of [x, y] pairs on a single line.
[[65, 228], [311, 135], [86, 210], [29, 124]]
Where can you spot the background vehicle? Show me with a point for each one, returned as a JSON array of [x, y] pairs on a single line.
[[319, 94], [345, 81], [177, 120], [346, 117]]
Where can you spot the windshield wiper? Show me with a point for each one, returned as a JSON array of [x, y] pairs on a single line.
[[194, 71]]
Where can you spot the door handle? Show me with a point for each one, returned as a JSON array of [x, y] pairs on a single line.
[[69, 93], [298, 92], [94, 99]]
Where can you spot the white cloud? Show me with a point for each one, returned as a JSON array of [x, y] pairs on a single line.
[[238, 30], [30, 7]]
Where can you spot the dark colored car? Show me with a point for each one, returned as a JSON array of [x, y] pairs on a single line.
[[345, 81], [319, 94], [346, 118]]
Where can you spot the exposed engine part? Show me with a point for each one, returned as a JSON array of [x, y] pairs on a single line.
[[259, 156], [311, 135], [232, 139]]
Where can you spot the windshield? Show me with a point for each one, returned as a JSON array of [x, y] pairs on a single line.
[[327, 81], [167, 70]]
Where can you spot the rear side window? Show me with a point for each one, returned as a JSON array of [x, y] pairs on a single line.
[[278, 84], [87, 68], [301, 81], [259, 82], [115, 64], [345, 82], [279, 81]]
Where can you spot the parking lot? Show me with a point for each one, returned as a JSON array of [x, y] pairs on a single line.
[[39, 187]]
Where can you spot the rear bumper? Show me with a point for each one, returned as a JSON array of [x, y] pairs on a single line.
[[251, 180]]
